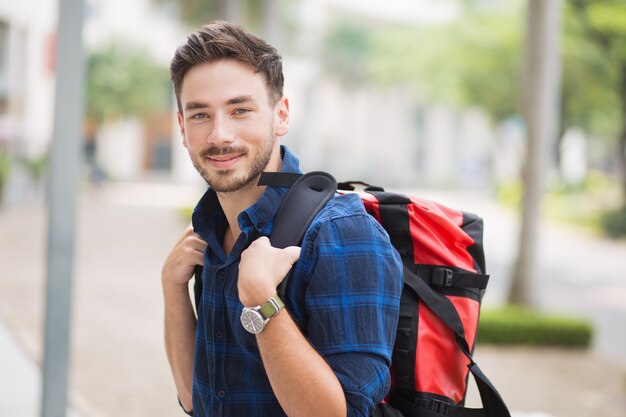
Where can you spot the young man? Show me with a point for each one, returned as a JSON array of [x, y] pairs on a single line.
[[328, 351]]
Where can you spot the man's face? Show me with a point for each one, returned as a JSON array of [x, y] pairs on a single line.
[[228, 125]]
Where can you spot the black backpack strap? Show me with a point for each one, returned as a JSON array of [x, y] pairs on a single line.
[[308, 194], [441, 276], [278, 179], [444, 309]]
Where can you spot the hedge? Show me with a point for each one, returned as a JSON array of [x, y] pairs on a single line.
[[512, 325]]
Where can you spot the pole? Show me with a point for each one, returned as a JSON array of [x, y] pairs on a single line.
[[62, 186]]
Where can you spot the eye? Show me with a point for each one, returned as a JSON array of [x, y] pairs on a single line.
[[200, 116], [241, 111]]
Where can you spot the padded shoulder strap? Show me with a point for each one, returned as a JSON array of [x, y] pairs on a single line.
[[307, 196]]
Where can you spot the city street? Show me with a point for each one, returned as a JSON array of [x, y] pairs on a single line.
[[118, 364]]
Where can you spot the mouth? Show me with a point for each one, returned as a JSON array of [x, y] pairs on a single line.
[[223, 161]]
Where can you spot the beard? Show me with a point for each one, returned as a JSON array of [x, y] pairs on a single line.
[[229, 180]]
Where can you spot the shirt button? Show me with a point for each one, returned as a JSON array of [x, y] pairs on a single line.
[[221, 394], [221, 275], [260, 225], [219, 335]]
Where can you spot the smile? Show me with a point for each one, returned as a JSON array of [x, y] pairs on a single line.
[[223, 161]]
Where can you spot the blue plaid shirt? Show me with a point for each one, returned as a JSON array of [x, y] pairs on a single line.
[[344, 293]]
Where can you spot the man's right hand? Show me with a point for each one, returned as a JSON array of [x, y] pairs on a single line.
[[180, 264], [180, 320]]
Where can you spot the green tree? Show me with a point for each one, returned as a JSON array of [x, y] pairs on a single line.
[[603, 24], [472, 61], [125, 81]]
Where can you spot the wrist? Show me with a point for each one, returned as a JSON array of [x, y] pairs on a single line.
[[256, 296], [173, 287]]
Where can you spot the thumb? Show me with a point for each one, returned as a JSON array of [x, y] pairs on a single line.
[[292, 253]]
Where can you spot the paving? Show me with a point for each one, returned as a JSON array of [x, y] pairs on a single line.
[[118, 364]]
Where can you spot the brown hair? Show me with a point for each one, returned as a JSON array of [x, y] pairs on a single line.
[[223, 40]]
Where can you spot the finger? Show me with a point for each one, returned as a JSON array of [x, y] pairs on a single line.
[[263, 240], [292, 253], [186, 233], [196, 242]]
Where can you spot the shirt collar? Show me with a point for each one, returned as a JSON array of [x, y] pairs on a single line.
[[208, 215], [260, 215]]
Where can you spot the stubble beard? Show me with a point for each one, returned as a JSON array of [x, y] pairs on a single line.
[[226, 180]]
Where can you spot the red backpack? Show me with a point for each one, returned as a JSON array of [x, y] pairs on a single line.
[[444, 282]]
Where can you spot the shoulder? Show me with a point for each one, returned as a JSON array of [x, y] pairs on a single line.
[[344, 221], [344, 211], [342, 205]]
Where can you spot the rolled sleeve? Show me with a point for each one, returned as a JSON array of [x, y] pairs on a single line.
[[352, 303], [365, 381]]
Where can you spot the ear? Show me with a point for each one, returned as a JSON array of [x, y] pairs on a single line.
[[181, 126], [282, 117]]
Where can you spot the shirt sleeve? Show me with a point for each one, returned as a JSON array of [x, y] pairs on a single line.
[[352, 304]]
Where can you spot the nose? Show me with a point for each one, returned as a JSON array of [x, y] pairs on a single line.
[[221, 131]]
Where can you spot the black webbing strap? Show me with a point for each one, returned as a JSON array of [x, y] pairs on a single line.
[[440, 276], [197, 287], [444, 309], [278, 179], [410, 409], [441, 306]]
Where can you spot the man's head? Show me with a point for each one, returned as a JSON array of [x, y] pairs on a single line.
[[223, 40], [228, 87]]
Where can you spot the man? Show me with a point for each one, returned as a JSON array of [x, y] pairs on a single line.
[[328, 351]]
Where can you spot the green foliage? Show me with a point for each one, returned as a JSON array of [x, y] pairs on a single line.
[[476, 60], [510, 194], [583, 205], [5, 169], [192, 12], [37, 165], [614, 222], [512, 325], [186, 213], [348, 52], [123, 81], [590, 83], [472, 61]]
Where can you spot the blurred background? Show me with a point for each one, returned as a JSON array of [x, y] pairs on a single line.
[[429, 97]]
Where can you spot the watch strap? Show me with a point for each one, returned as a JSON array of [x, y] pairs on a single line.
[[271, 307]]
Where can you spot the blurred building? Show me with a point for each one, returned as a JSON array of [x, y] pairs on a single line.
[[27, 63], [27, 41]]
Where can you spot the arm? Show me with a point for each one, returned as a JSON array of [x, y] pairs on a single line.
[[180, 321], [303, 382]]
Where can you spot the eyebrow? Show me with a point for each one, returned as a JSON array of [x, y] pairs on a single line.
[[193, 105], [239, 100]]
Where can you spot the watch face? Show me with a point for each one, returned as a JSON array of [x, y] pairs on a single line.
[[252, 321]]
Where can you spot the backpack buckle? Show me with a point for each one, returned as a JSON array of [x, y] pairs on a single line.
[[442, 277], [435, 406]]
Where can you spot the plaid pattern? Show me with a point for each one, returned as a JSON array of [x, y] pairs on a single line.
[[344, 292]]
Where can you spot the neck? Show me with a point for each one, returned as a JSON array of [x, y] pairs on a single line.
[[235, 202]]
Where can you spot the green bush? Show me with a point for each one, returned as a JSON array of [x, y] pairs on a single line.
[[5, 168], [512, 325], [614, 222], [186, 213]]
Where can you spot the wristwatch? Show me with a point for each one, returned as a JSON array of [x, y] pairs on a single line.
[[254, 319]]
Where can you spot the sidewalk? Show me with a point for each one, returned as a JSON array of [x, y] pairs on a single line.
[[118, 365], [20, 380]]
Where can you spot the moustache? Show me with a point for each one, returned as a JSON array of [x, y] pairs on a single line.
[[217, 151]]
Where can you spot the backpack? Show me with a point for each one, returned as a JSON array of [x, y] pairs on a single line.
[[444, 282]]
